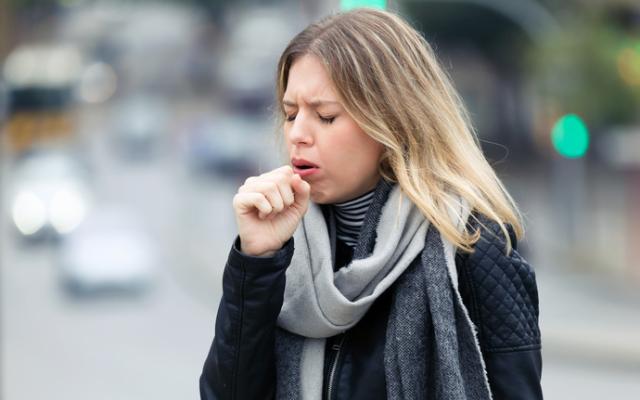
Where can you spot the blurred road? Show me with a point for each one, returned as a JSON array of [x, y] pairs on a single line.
[[590, 335], [58, 348]]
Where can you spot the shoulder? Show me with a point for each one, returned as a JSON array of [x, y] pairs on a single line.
[[499, 290]]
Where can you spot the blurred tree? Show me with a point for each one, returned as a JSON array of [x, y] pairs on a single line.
[[482, 45], [5, 28], [591, 67]]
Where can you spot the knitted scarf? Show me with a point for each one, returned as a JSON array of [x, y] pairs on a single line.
[[430, 350]]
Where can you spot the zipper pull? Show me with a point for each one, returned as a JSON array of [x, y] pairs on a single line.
[[337, 345]]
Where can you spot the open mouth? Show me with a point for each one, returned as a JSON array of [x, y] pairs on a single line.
[[303, 167], [302, 164]]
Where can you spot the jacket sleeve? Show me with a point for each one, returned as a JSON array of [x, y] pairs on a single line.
[[501, 295], [241, 362]]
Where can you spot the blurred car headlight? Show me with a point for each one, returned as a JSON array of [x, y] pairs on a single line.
[[67, 210], [29, 213]]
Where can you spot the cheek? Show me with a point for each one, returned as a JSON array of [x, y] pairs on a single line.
[[351, 149], [285, 135]]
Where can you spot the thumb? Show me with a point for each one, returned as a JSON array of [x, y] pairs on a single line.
[[302, 191]]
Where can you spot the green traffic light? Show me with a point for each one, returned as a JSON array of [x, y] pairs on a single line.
[[350, 4], [570, 136]]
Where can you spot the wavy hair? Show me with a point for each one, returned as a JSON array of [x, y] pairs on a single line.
[[390, 82]]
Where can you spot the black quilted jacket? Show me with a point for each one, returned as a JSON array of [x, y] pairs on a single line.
[[498, 290]]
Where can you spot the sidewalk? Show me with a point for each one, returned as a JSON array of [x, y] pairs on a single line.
[[589, 319]]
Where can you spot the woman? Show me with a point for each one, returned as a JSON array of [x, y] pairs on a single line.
[[381, 263]]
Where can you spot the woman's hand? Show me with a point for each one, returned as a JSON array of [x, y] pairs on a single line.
[[268, 210]]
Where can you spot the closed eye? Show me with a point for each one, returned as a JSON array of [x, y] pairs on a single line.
[[326, 120]]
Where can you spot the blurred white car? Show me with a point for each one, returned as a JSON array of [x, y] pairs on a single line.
[[110, 250], [44, 66], [49, 193]]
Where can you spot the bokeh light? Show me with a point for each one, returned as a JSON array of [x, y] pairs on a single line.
[[570, 136], [629, 65]]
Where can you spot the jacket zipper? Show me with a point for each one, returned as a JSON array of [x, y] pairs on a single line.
[[334, 365]]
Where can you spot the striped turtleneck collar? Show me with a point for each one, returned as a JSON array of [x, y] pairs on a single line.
[[350, 216]]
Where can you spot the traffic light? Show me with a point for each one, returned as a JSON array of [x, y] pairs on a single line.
[[570, 136], [350, 4]]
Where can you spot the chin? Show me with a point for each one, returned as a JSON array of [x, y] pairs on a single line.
[[317, 199], [320, 197]]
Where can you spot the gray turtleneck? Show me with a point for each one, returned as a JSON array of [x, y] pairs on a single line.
[[350, 216]]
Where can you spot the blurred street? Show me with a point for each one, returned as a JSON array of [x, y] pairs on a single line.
[[126, 129], [589, 336]]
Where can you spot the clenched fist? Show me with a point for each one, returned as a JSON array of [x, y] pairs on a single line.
[[268, 210]]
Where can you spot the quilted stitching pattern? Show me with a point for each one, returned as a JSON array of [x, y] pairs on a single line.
[[506, 294]]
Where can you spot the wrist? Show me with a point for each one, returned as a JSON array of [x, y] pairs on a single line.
[[257, 264], [268, 253], [259, 251]]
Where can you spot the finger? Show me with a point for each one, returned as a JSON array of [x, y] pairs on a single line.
[[269, 189], [249, 180], [248, 202], [286, 191], [302, 190], [284, 172], [283, 184], [283, 176], [286, 169]]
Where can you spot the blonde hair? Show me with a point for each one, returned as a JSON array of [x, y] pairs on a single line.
[[391, 84]]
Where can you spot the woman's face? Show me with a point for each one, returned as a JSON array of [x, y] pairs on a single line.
[[319, 131]]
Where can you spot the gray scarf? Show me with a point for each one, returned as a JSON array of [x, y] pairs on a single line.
[[430, 351]]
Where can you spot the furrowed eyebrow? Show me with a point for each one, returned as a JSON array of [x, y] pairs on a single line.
[[314, 103]]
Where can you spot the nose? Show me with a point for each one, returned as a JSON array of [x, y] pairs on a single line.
[[299, 131]]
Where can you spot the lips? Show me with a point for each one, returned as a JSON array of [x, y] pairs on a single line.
[[301, 163], [303, 167]]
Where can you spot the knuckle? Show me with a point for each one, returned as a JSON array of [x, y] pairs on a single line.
[[264, 199], [237, 200], [271, 187], [267, 204], [282, 172], [284, 179]]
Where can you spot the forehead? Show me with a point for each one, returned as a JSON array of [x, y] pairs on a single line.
[[309, 80]]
